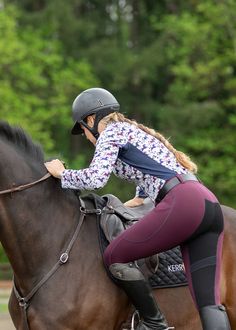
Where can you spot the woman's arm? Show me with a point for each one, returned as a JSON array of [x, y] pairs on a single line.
[[136, 201]]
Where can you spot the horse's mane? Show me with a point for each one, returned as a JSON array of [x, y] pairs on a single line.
[[17, 137]]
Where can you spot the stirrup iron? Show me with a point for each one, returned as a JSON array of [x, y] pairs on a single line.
[[136, 313]]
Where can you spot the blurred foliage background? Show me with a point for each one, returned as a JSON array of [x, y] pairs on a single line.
[[171, 64]]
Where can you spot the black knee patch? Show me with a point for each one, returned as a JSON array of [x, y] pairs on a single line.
[[202, 247]]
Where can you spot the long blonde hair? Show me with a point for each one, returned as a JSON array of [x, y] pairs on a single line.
[[181, 157]]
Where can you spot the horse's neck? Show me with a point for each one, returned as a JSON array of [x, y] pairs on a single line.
[[37, 229]]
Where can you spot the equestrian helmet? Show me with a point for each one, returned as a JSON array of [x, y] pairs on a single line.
[[92, 101]]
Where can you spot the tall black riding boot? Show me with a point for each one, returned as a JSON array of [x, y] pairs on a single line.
[[137, 289], [214, 318]]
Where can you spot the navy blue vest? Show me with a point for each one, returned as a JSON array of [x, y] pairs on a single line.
[[131, 155]]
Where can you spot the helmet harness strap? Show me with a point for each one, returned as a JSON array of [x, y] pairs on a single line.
[[98, 116]]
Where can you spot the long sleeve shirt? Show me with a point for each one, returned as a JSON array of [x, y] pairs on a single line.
[[131, 154]]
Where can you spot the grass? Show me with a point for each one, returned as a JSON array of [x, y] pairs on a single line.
[[3, 308], [4, 297]]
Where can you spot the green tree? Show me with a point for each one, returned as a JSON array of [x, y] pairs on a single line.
[[37, 83]]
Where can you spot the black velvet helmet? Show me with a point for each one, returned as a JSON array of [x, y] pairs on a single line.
[[96, 101]]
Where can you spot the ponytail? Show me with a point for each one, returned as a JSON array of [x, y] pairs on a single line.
[[181, 157]]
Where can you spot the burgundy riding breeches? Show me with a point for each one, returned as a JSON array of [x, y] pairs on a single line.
[[189, 216]]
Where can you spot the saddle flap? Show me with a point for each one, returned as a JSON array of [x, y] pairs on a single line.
[[116, 217]]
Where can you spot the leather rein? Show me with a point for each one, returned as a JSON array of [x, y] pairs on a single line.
[[24, 186], [24, 302]]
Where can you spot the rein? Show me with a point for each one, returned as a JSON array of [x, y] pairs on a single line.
[[24, 186]]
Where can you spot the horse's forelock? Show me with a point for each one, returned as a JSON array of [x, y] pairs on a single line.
[[19, 139]]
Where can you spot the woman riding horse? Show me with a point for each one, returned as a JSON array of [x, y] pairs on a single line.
[[186, 212]]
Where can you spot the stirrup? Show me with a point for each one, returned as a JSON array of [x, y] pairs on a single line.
[[136, 313]]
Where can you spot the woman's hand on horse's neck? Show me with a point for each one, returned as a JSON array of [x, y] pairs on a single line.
[[55, 168]]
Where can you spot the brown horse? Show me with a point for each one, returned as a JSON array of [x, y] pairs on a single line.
[[37, 224]]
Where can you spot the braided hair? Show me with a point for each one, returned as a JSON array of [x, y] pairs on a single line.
[[181, 157]]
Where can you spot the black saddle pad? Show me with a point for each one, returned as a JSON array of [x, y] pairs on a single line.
[[170, 271]]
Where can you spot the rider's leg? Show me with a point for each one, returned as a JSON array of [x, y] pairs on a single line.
[[214, 317], [147, 237], [202, 256], [132, 281], [131, 245], [175, 220]]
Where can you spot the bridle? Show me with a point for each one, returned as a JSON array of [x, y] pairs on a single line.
[[24, 302], [24, 186]]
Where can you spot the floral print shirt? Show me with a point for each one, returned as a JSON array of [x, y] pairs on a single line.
[[106, 160]]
